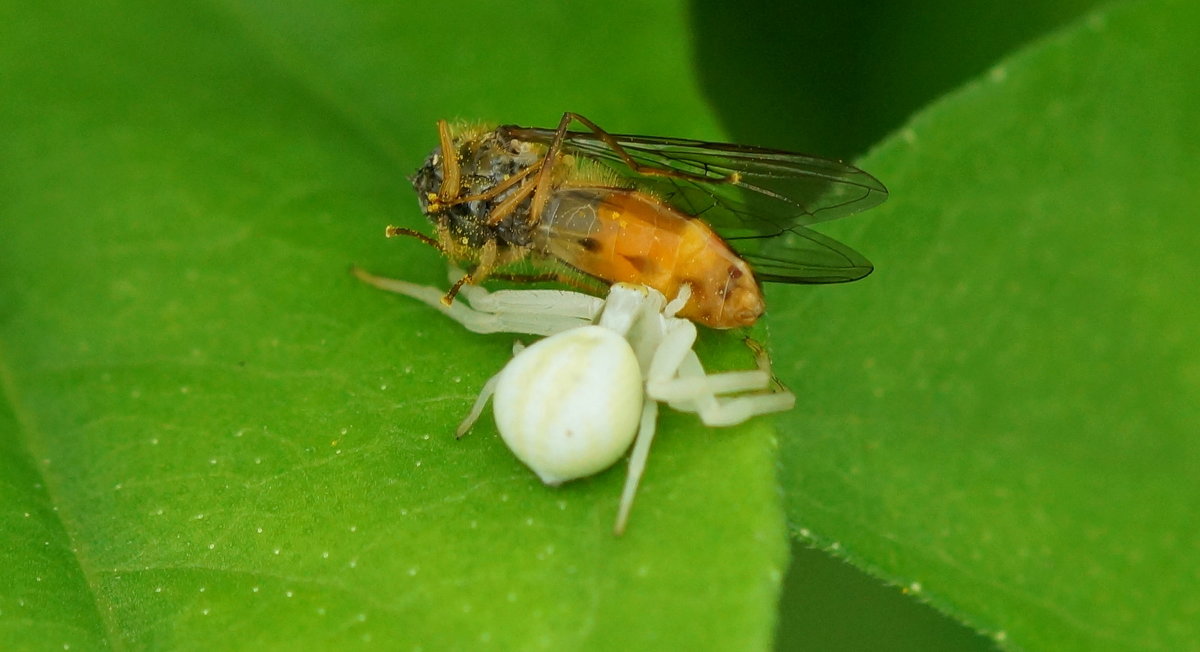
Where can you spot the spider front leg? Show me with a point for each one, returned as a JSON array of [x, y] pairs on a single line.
[[532, 312]]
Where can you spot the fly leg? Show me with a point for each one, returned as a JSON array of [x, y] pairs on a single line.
[[545, 176], [520, 186], [451, 170], [506, 207], [393, 231], [489, 257], [495, 190], [763, 360], [451, 188], [445, 245], [449, 193], [647, 170]]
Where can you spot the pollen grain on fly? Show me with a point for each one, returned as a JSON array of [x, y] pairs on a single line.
[[662, 212]]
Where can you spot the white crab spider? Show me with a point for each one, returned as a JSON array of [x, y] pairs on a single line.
[[569, 406]]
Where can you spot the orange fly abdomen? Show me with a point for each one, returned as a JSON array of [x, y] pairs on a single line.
[[622, 235]]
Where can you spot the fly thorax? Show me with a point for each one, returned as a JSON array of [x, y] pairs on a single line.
[[484, 162]]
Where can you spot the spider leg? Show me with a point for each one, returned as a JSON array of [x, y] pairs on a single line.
[[695, 391], [730, 412], [629, 307], [676, 377], [562, 309], [485, 395], [531, 312], [678, 337], [637, 463], [689, 386]]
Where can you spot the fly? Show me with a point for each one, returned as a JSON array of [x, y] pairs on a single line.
[[640, 209]]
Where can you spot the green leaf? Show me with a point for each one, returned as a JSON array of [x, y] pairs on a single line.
[[1002, 419], [213, 436]]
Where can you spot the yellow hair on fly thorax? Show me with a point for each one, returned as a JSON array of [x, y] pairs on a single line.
[[589, 172], [465, 130]]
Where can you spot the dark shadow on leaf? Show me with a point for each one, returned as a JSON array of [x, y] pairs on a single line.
[[829, 605], [833, 79]]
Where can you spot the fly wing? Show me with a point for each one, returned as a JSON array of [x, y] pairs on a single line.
[[802, 256], [773, 190]]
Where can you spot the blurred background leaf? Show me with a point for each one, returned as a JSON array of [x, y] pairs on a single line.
[[1006, 423]]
